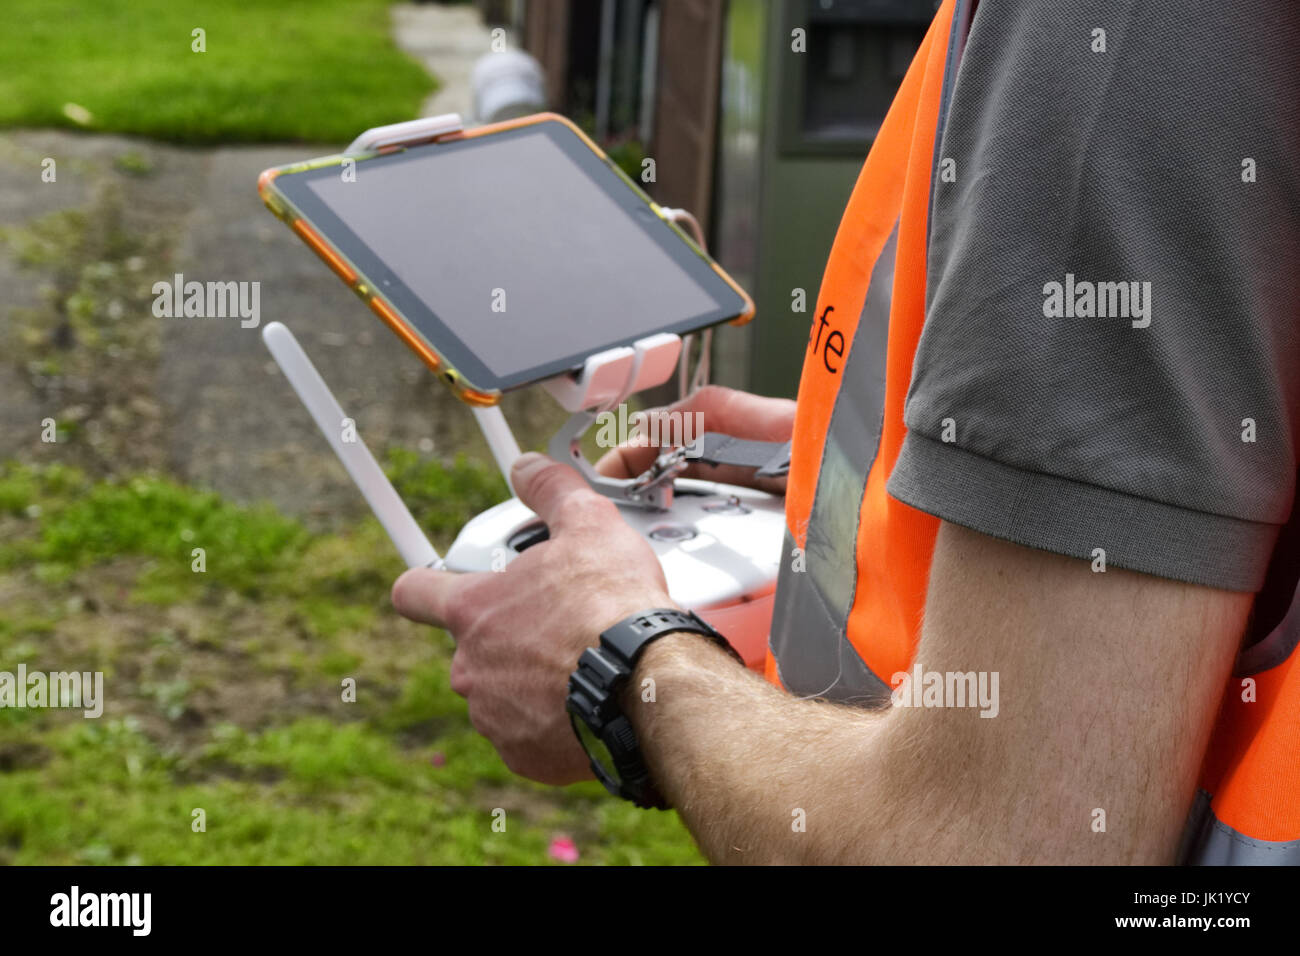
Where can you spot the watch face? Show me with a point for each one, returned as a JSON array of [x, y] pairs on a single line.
[[601, 758]]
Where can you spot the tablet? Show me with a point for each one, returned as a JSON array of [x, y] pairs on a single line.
[[504, 255]]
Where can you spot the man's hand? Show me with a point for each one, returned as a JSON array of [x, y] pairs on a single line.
[[519, 632], [724, 410]]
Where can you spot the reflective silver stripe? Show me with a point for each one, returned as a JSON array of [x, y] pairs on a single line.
[[813, 655], [1214, 843], [809, 636]]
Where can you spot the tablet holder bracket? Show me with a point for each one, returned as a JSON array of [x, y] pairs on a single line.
[[604, 381], [410, 133]]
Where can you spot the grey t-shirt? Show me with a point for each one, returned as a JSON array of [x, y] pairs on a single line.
[[1111, 353]]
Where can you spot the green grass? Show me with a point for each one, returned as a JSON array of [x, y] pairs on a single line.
[[309, 793], [223, 692], [439, 497], [80, 524], [314, 70], [253, 551]]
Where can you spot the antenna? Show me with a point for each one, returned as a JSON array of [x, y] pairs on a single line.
[[501, 440], [378, 491]]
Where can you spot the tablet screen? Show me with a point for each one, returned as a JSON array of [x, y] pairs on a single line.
[[517, 254]]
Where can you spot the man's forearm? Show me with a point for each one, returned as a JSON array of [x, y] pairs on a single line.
[[1101, 725], [757, 776]]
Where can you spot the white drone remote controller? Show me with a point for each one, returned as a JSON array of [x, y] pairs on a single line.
[[719, 544]]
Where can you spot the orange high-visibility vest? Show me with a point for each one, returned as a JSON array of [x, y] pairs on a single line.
[[851, 593]]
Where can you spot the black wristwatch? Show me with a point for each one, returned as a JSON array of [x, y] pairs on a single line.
[[597, 712]]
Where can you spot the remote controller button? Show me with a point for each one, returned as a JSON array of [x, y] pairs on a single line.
[[672, 532]]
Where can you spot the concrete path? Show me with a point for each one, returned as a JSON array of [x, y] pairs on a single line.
[[447, 40]]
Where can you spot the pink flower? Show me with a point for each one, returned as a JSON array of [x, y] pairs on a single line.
[[564, 850], [438, 759]]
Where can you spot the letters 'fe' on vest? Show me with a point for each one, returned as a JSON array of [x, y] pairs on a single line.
[[854, 573]]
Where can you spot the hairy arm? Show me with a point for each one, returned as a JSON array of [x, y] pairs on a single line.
[[1108, 685]]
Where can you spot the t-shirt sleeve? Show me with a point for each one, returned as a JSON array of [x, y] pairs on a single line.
[[1110, 358]]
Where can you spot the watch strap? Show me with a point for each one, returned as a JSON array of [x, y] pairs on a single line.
[[629, 636], [594, 697]]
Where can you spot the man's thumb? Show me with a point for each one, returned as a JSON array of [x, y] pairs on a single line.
[[551, 489]]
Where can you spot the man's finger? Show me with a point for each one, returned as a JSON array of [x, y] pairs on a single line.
[[556, 492], [627, 460], [730, 412], [427, 596], [713, 409]]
